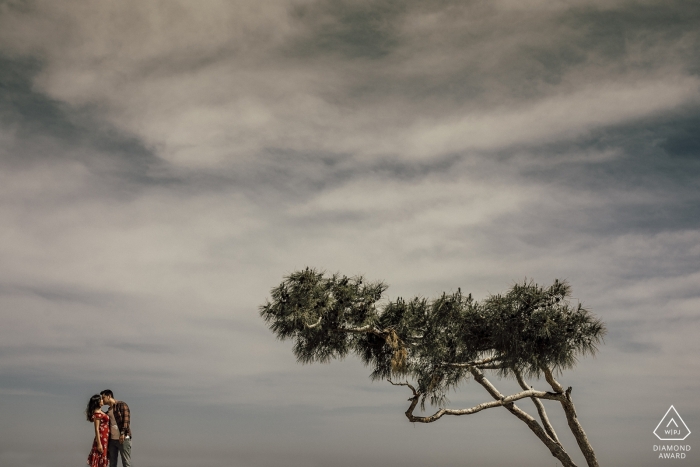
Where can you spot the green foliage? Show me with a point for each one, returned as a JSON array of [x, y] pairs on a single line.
[[312, 310], [532, 327], [525, 329]]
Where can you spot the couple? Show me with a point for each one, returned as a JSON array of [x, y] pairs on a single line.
[[112, 430]]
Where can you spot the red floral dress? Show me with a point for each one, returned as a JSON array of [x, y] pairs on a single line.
[[95, 459]]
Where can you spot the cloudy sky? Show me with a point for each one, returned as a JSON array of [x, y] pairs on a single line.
[[164, 164]]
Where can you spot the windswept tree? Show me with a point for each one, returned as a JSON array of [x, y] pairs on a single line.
[[431, 346]]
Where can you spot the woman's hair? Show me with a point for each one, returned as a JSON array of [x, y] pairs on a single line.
[[94, 404]]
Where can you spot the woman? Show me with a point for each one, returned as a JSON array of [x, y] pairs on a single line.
[[98, 454]]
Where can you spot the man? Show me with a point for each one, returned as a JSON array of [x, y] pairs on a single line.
[[119, 428]]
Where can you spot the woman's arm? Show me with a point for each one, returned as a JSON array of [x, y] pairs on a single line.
[[97, 435]]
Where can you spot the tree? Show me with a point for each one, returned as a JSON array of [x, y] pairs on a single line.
[[528, 332]]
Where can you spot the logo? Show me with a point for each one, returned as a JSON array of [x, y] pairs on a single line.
[[671, 427]]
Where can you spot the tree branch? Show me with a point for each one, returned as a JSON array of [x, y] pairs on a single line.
[[366, 328], [478, 408], [554, 447], [568, 405], [415, 393], [476, 363], [540, 409], [311, 326], [369, 329], [550, 379]]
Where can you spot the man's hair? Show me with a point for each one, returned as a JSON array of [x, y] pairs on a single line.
[[107, 392]]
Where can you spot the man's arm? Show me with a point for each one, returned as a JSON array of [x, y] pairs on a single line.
[[125, 429]]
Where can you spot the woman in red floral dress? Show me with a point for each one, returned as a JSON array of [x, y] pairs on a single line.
[[98, 454]]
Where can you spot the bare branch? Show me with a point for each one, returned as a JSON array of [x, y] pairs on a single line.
[[470, 364], [540, 409], [415, 393], [311, 326], [478, 408], [368, 328], [555, 448], [550, 379], [364, 329]]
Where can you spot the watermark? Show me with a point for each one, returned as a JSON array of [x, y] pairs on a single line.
[[672, 451], [672, 428]]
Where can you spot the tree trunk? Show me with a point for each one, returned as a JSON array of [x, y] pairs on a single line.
[[571, 417]]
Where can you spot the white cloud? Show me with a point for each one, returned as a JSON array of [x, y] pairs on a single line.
[[555, 118], [217, 85]]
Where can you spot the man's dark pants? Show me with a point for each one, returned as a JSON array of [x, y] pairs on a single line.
[[115, 448]]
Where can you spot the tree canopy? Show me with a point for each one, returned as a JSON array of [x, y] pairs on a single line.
[[529, 331]]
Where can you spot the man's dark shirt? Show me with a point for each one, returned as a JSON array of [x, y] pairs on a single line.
[[123, 417]]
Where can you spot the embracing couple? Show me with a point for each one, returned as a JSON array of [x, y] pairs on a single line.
[[112, 430]]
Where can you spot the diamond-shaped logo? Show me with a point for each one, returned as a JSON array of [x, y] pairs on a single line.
[[671, 427]]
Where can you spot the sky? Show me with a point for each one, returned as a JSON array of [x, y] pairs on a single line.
[[164, 164]]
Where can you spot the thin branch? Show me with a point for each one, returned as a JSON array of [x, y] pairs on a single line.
[[413, 389], [540, 408], [471, 364], [555, 448], [369, 329], [364, 329], [478, 408], [550, 379], [311, 326]]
